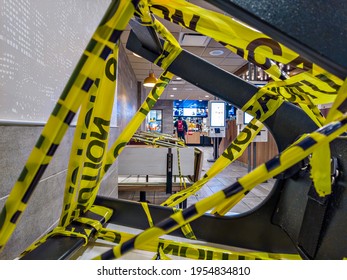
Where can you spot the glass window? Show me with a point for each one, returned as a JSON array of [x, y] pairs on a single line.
[[154, 121]]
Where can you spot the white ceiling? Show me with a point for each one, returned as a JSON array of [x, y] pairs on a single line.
[[180, 89]]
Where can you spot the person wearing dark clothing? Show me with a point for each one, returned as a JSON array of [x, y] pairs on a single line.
[[181, 128]]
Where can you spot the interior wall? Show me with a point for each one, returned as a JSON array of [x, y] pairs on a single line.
[[16, 141], [264, 150], [40, 43], [167, 107]]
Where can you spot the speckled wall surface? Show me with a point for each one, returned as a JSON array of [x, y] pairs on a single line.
[[44, 206], [41, 42]]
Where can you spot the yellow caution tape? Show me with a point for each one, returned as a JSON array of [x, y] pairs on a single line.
[[161, 255], [260, 105], [340, 105], [99, 210], [278, 164], [186, 229], [77, 88], [233, 152], [148, 213], [97, 136], [90, 222], [182, 181], [171, 46], [314, 113], [252, 45], [136, 121], [173, 49], [309, 88], [321, 159], [192, 251], [76, 160], [155, 140], [90, 140], [102, 211], [56, 231], [321, 170]]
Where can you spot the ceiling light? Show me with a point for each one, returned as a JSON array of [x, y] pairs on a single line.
[[150, 81], [178, 78], [175, 88], [171, 95], [207, 96], [177, 82], [216, 52], [193, 40]]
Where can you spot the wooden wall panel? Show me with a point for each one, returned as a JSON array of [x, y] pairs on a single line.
[[264, 150]]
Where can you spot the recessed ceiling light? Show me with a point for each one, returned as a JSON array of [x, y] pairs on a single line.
[[216, 52], [207, 96], [178, 78], [175, 88], [171, 95], [193, 40]]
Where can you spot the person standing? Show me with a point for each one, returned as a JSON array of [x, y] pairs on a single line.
[[181, 128]]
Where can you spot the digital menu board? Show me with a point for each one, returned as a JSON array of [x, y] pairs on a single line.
[[217, 114]]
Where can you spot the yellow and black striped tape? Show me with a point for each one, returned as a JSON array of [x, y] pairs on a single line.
[[339, 107], [97, 136], [320, 160], [286, 159], [182, 181], [260, 105], [234, 151], [62, 231], [78, 86], [90, 139], [141, 114], [252, 45], [311, 87], [308, 89], [192, 251]]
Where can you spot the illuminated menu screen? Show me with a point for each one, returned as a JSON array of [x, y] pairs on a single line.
[[217, 114]]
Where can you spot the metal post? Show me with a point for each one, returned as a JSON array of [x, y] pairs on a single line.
[[143, 193], [249, 151], [254, 155], [169, 171], [215, 150]]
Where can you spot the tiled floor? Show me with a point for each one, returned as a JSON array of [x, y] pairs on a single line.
[[225, 178]]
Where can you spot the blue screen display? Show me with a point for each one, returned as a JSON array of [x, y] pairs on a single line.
[[190, 108]]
